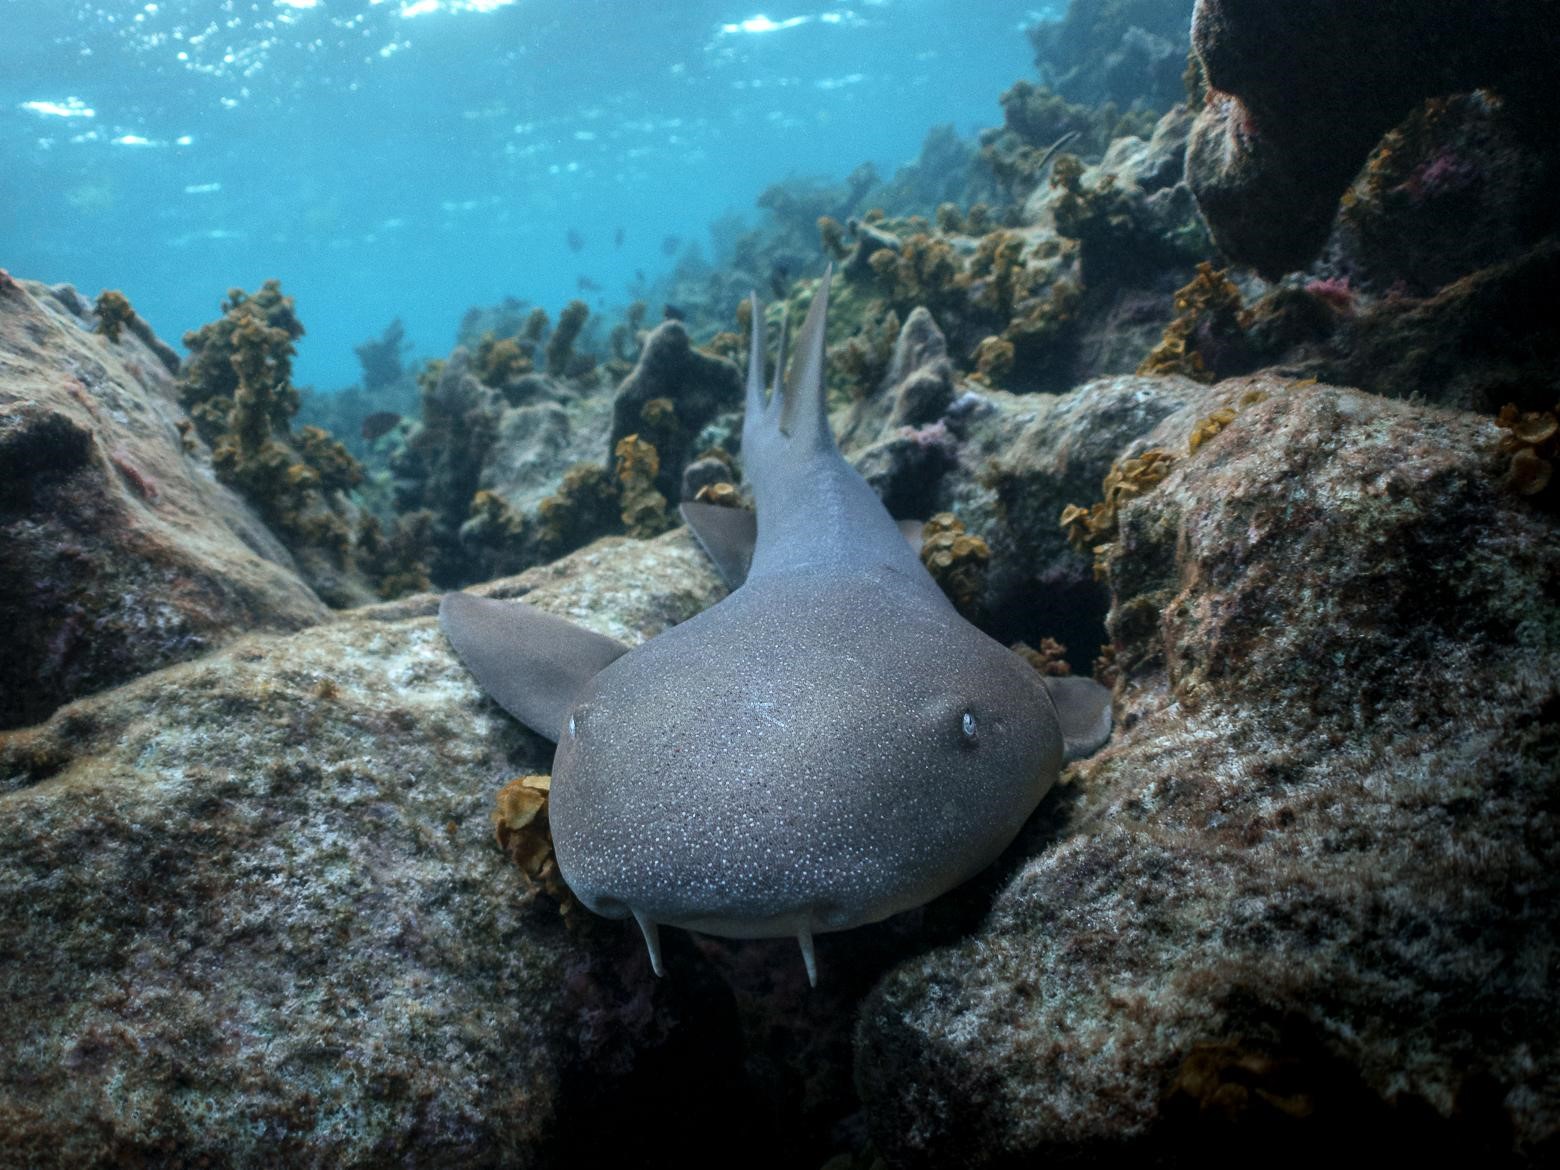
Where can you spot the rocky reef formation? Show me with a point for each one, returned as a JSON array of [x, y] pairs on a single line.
[[1119, 51], [1293, 110], [670, 397], [252, 911], [1305, 893], [293, 899], [1331, 633], [121, 553]]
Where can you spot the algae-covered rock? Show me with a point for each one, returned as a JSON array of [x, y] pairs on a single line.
[[1007, 465], [252, 912], [1303, 900], [696, 385], [121, 553], [1293, 113]]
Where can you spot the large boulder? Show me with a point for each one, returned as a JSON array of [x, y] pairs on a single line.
[[1303, 902], [252, 913], [122, 553]]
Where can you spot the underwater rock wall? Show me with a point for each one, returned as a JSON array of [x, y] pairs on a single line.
[[122, 553], [1306, 892], [1299, 94]]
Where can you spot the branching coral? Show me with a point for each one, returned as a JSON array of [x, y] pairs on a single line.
[[113, 313], [560, 347]]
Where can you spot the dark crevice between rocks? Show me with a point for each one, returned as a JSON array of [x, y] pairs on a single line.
[[37, 447], [1071, 612]]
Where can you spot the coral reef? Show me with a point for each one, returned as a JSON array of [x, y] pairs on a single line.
[[1207, 339], [113, 313], [382, 357], [688, 389], [1532, 438], [561, 358], [956, 560], [1121, 51], [644, 508], [237, 387]]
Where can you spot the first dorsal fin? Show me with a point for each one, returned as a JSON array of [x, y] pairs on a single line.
[[801, 405]]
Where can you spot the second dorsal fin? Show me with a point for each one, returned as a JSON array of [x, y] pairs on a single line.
[[727, 535]]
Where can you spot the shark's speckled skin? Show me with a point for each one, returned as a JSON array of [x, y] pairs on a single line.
[[830, 744]]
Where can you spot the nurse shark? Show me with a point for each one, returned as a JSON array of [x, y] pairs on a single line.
[[830, 744]]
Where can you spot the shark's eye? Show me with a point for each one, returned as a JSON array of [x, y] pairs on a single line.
[[968, 726]]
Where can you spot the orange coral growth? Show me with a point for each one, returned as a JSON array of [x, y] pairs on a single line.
[[524, 833], [1532, 438], [1095, 526], [1049, 659], [956, 560]]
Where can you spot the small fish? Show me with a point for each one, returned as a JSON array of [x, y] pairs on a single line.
[[829, 745], [575, 240], [378, 424], [585, 284], [670, 245], [617, 238]]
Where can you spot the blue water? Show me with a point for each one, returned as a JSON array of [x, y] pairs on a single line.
[[411, 158]]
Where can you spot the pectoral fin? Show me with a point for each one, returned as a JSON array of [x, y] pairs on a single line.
[[727, 535], [1083, 709], [532, 663]]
